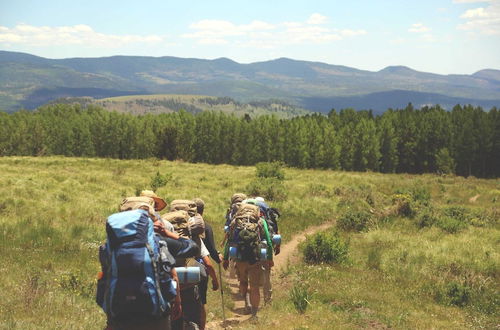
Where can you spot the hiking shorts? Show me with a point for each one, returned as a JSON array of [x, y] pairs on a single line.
[[249, 273]]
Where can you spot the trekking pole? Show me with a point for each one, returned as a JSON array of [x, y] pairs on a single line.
[[222, 297]]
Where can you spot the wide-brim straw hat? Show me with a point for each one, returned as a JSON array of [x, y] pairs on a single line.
[[160, 204]]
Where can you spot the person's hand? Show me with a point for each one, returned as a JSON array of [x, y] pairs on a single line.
[[221, 257], [225, 264], [215, 285], [277, 249], [176, 312]]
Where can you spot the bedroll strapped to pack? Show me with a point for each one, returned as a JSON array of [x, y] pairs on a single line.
[[136, 282]]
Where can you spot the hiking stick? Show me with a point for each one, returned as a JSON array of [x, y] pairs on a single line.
[[222, 297]]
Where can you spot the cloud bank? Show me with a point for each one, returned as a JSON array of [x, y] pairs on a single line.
[[261, 34], [69, 35]]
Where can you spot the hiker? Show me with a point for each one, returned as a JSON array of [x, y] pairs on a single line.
[[272, 216], [245, 244], [209, 242], [134, 257], [192, 227], [161, 226], [235, 202]]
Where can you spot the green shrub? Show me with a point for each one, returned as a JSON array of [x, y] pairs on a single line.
[[270, 170], [355, 221], [300, 297], [450, 225], [325, 248], [457, 212], [159, 180], [403, 205], [269, 188], [453, 293], [426, 218]]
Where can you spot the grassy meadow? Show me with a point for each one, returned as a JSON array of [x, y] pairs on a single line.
[[423, 249]]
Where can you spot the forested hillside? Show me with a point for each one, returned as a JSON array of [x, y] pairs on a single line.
[[465, 141], [28, 81]]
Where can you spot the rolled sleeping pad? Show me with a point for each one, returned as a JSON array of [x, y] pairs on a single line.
[[263, 254], [276, 239], [188, 275]]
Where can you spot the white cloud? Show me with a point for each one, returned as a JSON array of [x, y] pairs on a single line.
[[418, 28], [69, 35], [483, 20], [316, 19], [352, 33], [267, 35], [470, 1]]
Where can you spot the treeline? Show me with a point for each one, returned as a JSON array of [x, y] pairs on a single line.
[[465, 141]]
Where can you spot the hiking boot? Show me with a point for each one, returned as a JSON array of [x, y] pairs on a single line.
[[253, 319]]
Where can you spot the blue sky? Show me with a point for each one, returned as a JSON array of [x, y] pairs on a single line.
[[440, 36]]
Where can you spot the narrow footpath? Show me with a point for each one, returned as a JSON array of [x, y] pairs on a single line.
[[287, 256]]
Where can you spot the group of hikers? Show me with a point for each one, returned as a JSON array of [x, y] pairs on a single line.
[[155, 268]]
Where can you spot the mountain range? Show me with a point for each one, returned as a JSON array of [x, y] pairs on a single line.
[[28, 81]]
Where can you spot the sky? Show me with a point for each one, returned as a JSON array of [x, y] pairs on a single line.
[[438, 36]]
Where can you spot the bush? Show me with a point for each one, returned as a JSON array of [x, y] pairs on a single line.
[[325, 248], [355, 221], [300, 297], [269, 188], [454, 293], [457, 212], [403, 205], [426, 218], [159, 180], [450, 225], [270, 170]]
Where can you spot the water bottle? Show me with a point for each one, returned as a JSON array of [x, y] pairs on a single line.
[[276, 239], [233, 252]]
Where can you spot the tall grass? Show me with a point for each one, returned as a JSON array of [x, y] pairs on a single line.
[[404, 270]]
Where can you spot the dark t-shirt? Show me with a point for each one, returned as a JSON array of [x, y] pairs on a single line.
[[210, 243]]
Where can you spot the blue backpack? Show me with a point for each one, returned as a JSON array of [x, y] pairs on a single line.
[[136, 283]]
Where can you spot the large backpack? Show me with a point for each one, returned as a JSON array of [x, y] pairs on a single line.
[[245, 233], [185, 205], [179, 219], [136, 280]]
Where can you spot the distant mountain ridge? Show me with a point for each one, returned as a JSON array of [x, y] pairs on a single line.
[[29, 81]]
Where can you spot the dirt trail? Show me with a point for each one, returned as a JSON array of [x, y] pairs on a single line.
[[474, 198], [288, 255]]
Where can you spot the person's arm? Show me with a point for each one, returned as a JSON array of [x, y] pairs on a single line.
[[208, 265], [210, 243], [211, 272], [159, 228]]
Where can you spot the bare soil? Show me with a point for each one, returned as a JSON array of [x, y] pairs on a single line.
[[288, 255]]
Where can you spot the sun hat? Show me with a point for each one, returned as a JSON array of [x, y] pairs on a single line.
[[160, 204]]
